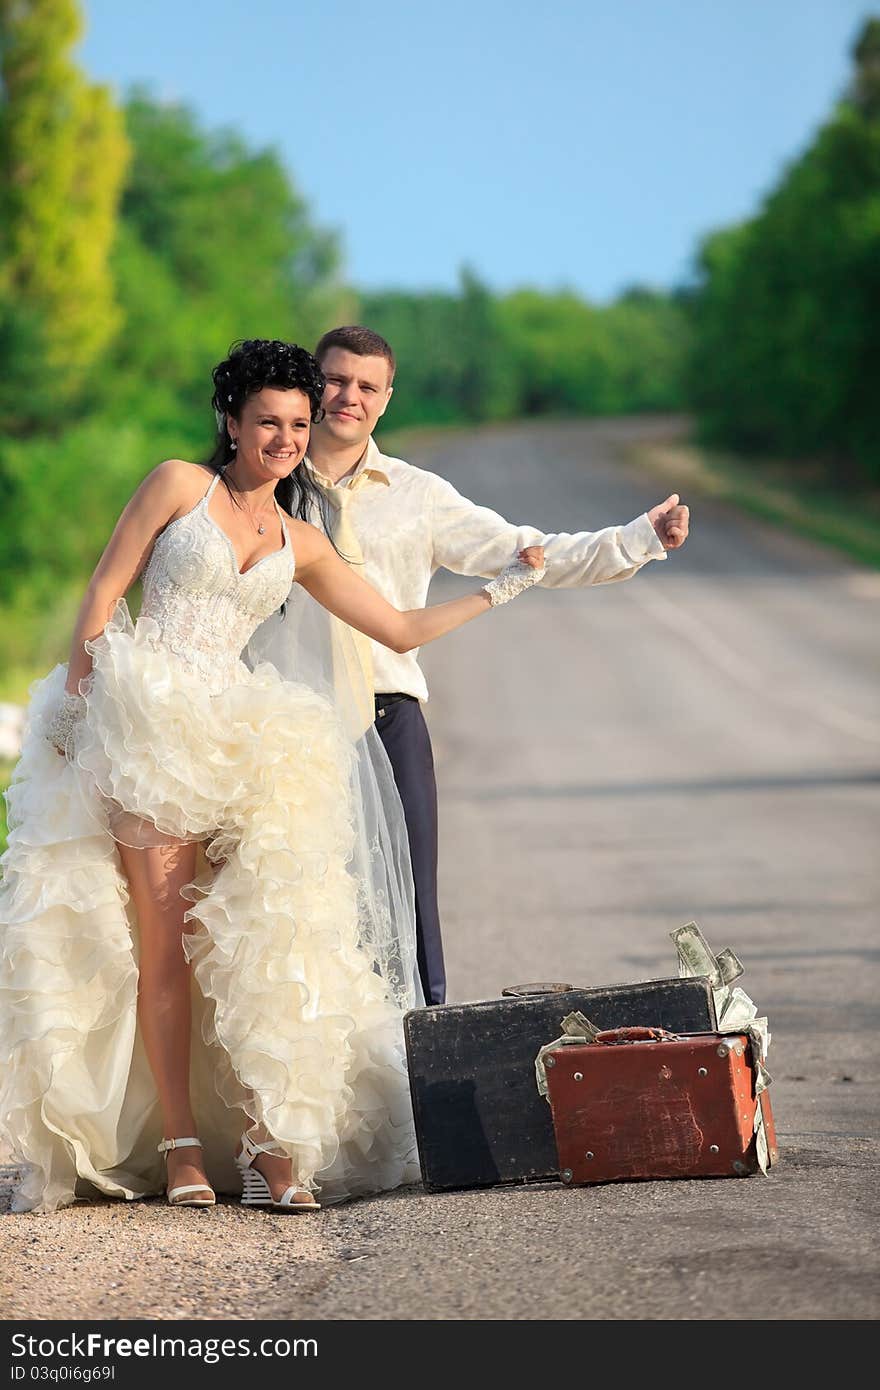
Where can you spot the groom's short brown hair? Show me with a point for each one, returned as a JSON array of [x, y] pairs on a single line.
[[363, 342]]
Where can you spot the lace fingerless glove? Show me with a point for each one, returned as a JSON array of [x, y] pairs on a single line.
[[512, 581], [70, 711]]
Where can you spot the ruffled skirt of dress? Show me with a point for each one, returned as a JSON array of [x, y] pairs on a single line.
[[295, 1031]]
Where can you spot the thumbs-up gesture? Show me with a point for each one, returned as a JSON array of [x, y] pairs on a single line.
[[670, 520]]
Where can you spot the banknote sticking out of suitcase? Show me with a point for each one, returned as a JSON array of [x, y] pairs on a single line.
[[479, 1118], [646, 1102]]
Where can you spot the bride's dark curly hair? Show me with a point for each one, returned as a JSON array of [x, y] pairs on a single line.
[[252, 364]]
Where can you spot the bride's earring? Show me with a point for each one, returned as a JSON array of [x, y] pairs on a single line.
[[233, 444]]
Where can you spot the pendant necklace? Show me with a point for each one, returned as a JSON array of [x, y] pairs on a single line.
[[260, 526]]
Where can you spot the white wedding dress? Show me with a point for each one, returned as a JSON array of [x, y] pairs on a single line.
[[302, 970]]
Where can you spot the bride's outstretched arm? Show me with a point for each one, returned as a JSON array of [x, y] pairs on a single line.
[[160, 496], [330, 580]]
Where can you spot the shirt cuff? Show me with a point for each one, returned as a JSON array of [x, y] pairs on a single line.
[[640, 540]]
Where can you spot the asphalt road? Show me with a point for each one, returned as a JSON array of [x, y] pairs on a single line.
[[702, 742]]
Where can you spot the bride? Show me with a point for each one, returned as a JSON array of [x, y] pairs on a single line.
[[206, 927]]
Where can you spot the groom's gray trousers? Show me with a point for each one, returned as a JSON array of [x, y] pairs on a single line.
[[401, 726]]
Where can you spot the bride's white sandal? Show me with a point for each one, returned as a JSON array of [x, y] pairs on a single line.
[[256, 1192], [181, 1196]]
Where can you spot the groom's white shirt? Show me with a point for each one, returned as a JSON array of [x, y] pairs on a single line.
[[410, 523]]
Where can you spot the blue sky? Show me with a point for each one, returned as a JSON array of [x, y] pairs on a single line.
[[585, 143]]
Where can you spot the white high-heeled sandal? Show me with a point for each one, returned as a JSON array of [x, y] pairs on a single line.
[[180, 1196], [256, 1192]]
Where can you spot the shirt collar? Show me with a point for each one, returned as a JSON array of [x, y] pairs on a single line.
[[370, 464]]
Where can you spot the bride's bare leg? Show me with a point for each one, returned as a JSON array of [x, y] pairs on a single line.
[[156, 876]]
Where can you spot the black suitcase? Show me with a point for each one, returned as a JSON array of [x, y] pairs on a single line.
[[478, 1115]]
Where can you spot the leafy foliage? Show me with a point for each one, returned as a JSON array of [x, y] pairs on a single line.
[[786, 352], [215, 245], [470, 356], [62, 158]]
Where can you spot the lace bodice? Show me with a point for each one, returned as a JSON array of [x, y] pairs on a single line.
[[205, 610]]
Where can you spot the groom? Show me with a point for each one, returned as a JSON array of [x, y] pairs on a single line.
[[399, 524]]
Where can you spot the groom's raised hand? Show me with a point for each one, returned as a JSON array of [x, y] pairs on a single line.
[[671, 520]]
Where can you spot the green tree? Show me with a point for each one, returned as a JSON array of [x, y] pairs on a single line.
[[648, 339], [475, 356], [787, 314], [453, 356], [216, 244], [487, 383], [62, 158], [560, 350], [573, 357], [865, 91]]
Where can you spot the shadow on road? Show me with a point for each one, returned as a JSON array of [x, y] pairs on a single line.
[[708, 786]]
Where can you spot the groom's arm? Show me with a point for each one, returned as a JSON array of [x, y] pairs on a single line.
[[474, 540]]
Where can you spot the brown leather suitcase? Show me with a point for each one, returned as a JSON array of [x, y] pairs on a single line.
[[644, 1103]]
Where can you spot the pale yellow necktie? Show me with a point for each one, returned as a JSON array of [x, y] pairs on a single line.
[[353, 660]]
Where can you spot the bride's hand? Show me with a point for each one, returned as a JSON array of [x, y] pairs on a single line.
[[67, 715], [527, 569]]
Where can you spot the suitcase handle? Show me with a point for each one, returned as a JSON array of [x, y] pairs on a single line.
[[525, 991], [631, 1035]]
